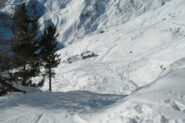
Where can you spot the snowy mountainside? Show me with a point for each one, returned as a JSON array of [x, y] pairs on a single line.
[[130, 55], [75, 19]]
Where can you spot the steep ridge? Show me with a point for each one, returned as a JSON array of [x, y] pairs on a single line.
[[75, 19]]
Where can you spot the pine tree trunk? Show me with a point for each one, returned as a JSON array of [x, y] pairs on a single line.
[[50, 86], [24, 77]]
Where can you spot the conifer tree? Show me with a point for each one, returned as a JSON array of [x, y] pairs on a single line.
[[24, 48], [48, 49], [6, 82]]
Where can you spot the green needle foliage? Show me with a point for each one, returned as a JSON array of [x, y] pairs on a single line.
[[48, 52], [25, 48]]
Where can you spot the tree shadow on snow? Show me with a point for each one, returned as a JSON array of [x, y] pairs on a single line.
[[74, 100]]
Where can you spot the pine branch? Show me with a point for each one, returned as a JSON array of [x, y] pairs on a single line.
[[9, 86]]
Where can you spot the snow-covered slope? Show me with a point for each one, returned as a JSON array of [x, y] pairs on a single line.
[[160, 102], [75, 19], [130, 55], [163, 101], [138, 41]]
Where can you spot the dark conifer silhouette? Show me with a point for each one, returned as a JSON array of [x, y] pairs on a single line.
[[24, 47], [48, 52]]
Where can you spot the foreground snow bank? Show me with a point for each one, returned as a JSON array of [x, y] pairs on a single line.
[[160, 102], [47, 107]]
